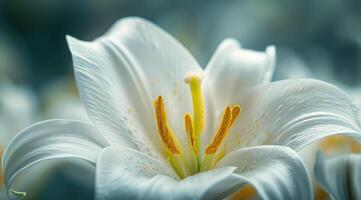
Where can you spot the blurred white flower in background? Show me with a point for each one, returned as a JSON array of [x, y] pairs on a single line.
[[18, 104], [61, 101], [18, 108]]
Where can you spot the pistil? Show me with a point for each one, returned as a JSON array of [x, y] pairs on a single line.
[[194, 80]]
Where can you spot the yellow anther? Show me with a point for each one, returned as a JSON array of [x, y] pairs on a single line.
[[229, 117], [194, 80], [188, 122], [169, 139], [236, 110], [221, 132]]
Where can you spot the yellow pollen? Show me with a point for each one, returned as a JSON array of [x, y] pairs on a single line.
[[188, 122], [229, 116], [166, 134], [236, 110]]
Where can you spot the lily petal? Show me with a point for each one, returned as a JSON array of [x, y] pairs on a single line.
[[47, 140], [340, 176], [233, 69], [276, 172], [295, 113], [119, 75], [124, 173]]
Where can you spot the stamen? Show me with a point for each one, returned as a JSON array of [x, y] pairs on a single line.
[[194, 80], [188, 122], [236, 110], [170, 141], [192, 139], [221, 132]]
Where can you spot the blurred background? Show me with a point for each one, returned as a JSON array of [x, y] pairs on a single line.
[[319, 39]]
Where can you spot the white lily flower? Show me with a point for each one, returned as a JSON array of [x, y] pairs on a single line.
[[133, 82], [340, 176]]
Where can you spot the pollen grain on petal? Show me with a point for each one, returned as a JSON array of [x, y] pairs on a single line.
[[165, 132]]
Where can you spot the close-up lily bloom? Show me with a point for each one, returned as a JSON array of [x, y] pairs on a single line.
[[162, 127]]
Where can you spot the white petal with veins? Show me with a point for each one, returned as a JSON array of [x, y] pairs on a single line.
[[276, 172], [233, 70], [123, 173], [294, 113], [340, 176], [47, 140], [120, 74]]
